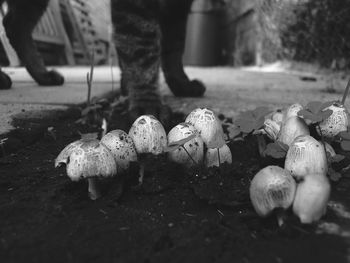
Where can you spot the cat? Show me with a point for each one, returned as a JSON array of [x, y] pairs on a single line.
[[19, 23], [150, 34]]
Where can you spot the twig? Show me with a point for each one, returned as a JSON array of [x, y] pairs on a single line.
[[345, 93], [189, 154]]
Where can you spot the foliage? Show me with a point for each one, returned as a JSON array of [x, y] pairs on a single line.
[[315, 111], [277, 150], [252, 120], [307, 30]]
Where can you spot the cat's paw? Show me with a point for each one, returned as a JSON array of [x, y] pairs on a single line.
[[193, 88], [5, 81], [49, 78], [160, 111]]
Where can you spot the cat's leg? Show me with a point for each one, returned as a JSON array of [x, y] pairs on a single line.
[[5, 81], [19, 23], [137, 39], [173, 26]]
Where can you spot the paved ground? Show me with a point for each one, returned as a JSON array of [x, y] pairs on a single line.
[[229, 90]]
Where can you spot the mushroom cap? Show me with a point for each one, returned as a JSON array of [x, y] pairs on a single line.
[[306, 156], [311, 198], [292, 111], [209, 127], [272, 128], [212, 158], [148, 135], [63, 156], [122, 147], [336, 123], [90, 159], [195, 147], [272, 187], [292, 128]]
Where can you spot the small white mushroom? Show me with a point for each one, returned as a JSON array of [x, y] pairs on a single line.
[[271, 129], [189, 154], [148, 135], [209, 127], [306, 156], [292, 111], [212, 156], [277, 117], [63, 157], [122, 147], [292, 128], [311, 198], [88, 159], [272, 188], [336, 123]]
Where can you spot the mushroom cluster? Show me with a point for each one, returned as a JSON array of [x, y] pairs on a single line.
[[92, 159], [306, 161], [205, 142], [199, 141]]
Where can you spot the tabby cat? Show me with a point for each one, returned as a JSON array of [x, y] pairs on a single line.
[[150, 34], [19, 22]]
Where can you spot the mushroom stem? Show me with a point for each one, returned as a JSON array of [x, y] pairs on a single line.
[[94, 192], [261, 145], [281, 216], [189, 154], [141, 173]]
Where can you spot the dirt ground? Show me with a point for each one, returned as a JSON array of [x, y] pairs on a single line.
[[178, 215]]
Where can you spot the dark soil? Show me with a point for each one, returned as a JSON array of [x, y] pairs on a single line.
[[177, 215]]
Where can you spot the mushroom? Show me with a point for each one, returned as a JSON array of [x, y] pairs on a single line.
[[292, 111], [272, 188], [212, 157], [88, 159], [191, 152], [277, 116], [271, 129], [149, 137], [209, 127], [122, 147], [292, 128], [311, 198], [63, 156], [306, 156], [337, 122]]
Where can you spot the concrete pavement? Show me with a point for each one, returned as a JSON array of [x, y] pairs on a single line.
[[229, 90]]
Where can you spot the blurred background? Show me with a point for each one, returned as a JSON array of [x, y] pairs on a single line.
[[219, 32]]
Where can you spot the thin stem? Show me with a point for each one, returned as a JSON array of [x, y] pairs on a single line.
[[218, 151], [345, 93], [112, 76], [322, 138], [94, 192], [189, 154], [89, 77]]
